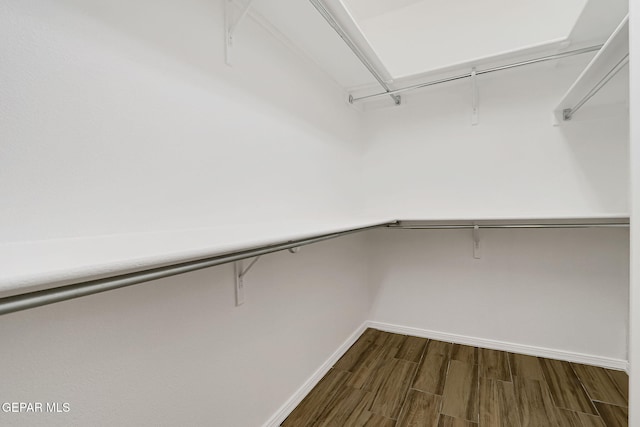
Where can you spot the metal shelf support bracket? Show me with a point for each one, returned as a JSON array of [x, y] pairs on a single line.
[[476, 241], [568, 113], [231, 22], [240, 272], [474, 97]]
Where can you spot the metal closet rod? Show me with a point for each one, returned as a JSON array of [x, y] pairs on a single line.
[[568, 113], [480, 72], [35, 299], [497, 226], [354, 48]]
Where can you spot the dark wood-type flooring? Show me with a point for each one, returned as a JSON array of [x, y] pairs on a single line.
[[391, 380]]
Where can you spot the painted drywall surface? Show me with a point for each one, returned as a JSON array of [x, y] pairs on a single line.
[[564, 290], [634, 336], [426, 160], [113, 123], [424, 36], [122, 118], [178, 352]]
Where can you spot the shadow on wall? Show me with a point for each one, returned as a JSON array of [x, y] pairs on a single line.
[[598, 137], [189, 35]]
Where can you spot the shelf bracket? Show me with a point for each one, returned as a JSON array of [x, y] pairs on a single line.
[[240, 272], [231, 22], [476, 241], [474, 97]]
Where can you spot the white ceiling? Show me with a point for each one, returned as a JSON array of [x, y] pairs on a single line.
[[427, 37], [598, 20], [366, 9]]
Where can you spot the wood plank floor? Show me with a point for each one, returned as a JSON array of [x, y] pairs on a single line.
[[392, 380]]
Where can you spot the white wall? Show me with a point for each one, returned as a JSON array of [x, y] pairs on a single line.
[[564, 290], [425, 160], [634, 337], [177, 352], [120, 117]]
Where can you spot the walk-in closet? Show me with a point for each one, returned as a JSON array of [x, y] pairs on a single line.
[[246, 213]]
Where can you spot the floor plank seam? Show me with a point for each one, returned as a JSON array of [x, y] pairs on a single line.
[[615, 383], [509, 365], [584, 388], [599, 414], [610, 404], [482, 389], [446, 375]]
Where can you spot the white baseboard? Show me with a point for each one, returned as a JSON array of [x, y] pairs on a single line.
[[284, 411], [586, 359]]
